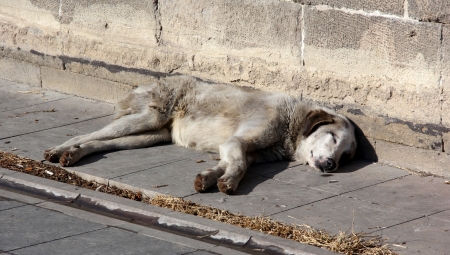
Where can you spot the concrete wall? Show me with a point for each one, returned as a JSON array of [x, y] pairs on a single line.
[[385, 64]]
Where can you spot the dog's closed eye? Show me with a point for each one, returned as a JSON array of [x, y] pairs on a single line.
[[334, 137]]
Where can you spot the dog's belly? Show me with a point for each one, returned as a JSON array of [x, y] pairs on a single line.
[[205, 134]]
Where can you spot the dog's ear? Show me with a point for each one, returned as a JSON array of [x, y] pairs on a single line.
[[348, 155], [315, 119]]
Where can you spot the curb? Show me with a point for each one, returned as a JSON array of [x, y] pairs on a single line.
[[154, 217]]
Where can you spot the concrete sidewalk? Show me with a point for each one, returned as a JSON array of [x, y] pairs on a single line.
[[412, 213]]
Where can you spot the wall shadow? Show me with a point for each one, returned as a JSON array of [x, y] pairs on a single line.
[[365, 149]]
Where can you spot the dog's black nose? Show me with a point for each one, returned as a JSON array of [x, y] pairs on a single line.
[[329, 165]]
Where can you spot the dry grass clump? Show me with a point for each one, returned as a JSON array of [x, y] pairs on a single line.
[[33, 167], [353, 243]]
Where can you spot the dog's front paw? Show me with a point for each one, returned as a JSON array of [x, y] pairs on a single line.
[[199, 184], [226, 186], [70, 156], [204, 181], [52, 156]]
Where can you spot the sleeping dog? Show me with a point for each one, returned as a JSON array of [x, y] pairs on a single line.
[[244, 125]]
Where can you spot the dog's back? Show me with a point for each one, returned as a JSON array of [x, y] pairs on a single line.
[[205, 115]]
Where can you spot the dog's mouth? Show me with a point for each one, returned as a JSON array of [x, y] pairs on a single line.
[[323, 164], [326, 165]]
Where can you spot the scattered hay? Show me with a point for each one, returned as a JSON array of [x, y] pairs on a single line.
[[29, 166], [353, 243]]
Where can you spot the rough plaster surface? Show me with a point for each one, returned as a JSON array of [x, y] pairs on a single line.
[[374, 61], [378, 62], [445, 82], [430, 10], [25, 26], [384, 6]]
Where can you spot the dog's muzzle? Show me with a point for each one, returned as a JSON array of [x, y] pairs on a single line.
[[327, 165]]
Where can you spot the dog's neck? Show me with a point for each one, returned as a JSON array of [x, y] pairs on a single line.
[[296, 122]]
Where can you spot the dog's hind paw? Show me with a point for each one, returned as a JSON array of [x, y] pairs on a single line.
[[225, 186], [51, 156], [205, 180], [199, 185], [65, 159], [69, 158]]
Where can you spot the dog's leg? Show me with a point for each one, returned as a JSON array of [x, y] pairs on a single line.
[[76, 152], [208, 178], [229, 171], [126, 125], [53, 154]]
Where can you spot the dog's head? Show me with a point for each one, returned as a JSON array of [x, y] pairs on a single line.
[[328, 140]]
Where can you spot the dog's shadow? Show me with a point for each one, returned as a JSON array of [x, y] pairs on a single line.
[[364, 156], [253, 179], [92, 158], [259, 173]]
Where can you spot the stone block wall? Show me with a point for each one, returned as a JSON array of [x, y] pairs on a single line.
[[384, 64]]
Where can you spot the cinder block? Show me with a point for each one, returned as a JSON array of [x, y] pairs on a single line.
[[430, 10], [20, 71], [117, 32], [84, 86], [266, 29], [413, 158], [384, 6], [391, 65]]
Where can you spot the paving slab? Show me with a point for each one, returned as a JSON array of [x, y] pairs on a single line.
[[14, 96], [357, 175], [34, 144], [444, 215], [37, 230], [6, 204], [267, 169], [341, 213], [116, 164], [176, 178], [422, 236], [260, 196], [423, 195], [109, 240], [49, 115]]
